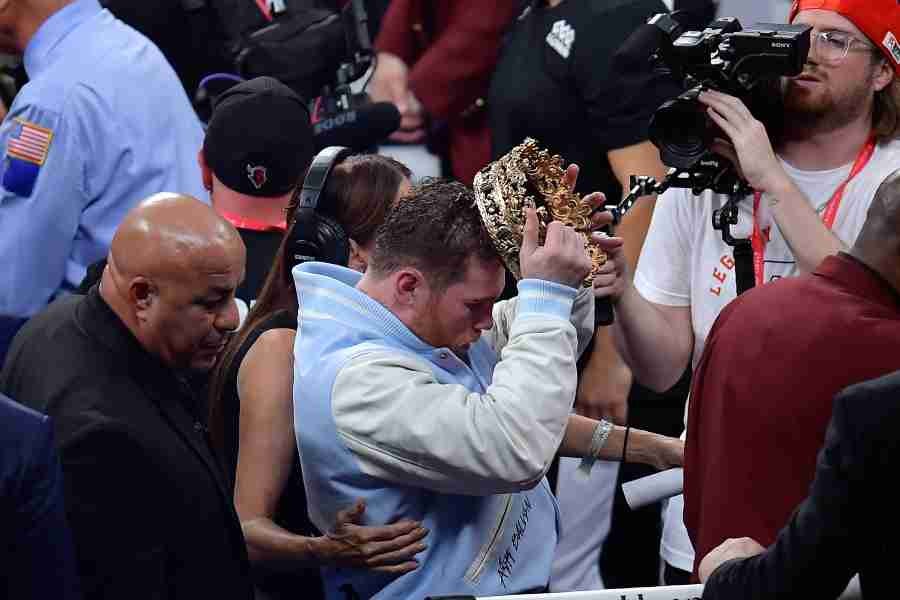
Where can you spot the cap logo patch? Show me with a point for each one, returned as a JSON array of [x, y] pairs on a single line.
[[257, 176], [890, 42]]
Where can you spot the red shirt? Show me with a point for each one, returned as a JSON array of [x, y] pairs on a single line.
[[762, 393]]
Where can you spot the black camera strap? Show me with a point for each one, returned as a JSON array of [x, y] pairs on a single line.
[[742, 248], [743, 266]]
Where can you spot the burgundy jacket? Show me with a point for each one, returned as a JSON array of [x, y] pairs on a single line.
[[763, 391], [451, 47]]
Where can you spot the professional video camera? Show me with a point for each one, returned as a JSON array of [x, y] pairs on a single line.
[[744, 63]]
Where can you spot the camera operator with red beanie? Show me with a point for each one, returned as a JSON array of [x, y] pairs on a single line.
[[738, 453], [813, 186]]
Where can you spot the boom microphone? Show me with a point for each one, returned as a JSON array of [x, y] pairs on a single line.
[[646, 40], [360, 128]]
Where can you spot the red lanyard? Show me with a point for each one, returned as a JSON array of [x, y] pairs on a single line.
[[252, 224], [759, 240]]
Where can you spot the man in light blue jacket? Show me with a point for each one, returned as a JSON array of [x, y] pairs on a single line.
[[416, 392]]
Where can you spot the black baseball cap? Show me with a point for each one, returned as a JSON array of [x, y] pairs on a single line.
[[259, 140]]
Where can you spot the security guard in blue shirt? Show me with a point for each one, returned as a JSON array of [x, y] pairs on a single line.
[[103, 123]]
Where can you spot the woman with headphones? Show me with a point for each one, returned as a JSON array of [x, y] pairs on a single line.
[[332, 219]]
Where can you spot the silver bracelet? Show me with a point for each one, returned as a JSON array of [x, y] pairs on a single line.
[[598, 441]]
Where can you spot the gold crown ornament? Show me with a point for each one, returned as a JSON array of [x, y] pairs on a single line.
[[528, 176]]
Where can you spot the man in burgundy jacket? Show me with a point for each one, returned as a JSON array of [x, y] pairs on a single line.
[[436, 58], [773, 362]]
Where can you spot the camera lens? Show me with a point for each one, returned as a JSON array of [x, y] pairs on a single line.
[[681, 130]]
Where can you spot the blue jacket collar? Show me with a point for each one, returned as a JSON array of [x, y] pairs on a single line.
[[319, 284]]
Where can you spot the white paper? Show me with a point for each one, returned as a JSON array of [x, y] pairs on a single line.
[[653, 488], [674, 592]]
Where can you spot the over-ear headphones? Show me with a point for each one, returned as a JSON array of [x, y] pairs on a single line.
[[315, 236]]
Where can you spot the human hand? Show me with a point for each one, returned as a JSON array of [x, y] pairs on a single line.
[[731, 548], [612, 278], [390, 83], [597, 200], [412, 121], [749, 148], [390, 80], [562, 259], [562, 240], [385, 548]]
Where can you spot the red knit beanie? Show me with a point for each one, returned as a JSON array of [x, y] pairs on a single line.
[[878, 19]]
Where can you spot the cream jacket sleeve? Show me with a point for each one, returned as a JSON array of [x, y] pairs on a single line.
[[406, 427], [582, 319]]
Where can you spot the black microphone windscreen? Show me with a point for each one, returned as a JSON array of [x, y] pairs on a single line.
[[361, 128], [638, 48], [656, 33]]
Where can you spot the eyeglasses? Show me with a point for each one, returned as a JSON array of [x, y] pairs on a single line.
[[833, 46]]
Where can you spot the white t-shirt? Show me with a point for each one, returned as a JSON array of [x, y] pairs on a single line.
[[585, 512], [685, 262]]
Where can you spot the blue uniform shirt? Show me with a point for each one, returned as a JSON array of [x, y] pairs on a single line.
[[102, 124]]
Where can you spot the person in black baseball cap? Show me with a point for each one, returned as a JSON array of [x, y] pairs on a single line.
[[257, 149]]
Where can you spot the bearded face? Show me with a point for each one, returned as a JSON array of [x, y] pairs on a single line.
[[826, 98], [837, 85]]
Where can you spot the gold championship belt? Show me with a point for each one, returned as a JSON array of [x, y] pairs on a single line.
[[528, 176]]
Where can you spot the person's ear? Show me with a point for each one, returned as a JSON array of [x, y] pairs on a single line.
[[359, 257], [142, 294], [205, 171], [410, 288], [884, 75]]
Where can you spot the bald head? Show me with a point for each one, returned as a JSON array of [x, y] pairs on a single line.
[[170, 235], [883, 219], [172, 270], [878, 243]]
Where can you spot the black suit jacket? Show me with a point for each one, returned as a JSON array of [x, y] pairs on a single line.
[[36, 555], [847, 524], [150, 511]]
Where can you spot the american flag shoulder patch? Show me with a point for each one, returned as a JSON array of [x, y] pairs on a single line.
[[30, 144], [26, 152]]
